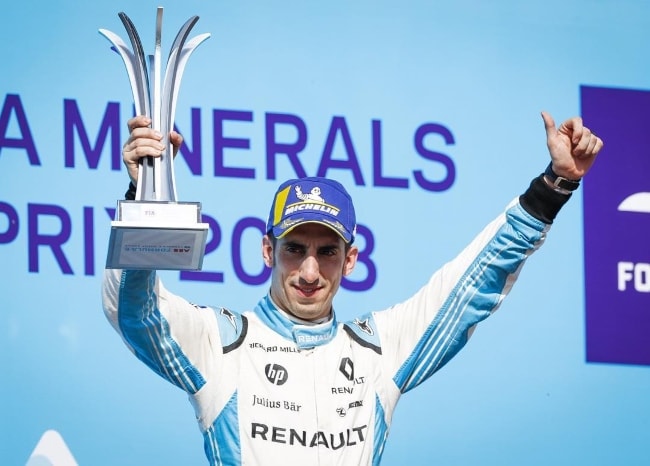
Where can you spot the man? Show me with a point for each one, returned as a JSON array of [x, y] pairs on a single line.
[[288, 384]]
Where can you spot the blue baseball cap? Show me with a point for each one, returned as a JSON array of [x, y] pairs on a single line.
[[312, 200]]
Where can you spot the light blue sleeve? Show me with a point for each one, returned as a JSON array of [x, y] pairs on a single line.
[[422, 334]]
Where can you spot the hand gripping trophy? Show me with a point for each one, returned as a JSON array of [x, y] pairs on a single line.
[[155, 231]]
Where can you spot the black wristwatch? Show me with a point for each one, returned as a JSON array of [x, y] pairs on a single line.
[[560, 182]]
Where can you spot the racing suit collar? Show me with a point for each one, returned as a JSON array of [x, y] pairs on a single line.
[[305, 336]]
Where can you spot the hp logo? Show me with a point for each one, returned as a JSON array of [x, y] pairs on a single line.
[[276, 374]]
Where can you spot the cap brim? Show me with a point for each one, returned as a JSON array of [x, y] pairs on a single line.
[[336, 226]]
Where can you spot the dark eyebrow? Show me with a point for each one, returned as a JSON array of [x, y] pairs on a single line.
[[297, 244], [293, 244], [329, 246]]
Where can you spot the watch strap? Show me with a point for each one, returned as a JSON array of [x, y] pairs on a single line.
[[559, 181]]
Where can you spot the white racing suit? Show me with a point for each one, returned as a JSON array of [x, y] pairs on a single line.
[[267, 391]]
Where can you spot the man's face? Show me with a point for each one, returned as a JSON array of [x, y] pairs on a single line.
[[308, 265]]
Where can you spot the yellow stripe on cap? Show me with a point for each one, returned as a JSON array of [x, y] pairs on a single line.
[[280, 202]]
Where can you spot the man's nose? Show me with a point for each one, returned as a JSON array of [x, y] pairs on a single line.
[[309, 269]]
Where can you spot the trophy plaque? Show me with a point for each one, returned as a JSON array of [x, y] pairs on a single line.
[[155, 231]]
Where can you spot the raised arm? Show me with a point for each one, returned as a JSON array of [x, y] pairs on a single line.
[[176, 339], [424, 332]]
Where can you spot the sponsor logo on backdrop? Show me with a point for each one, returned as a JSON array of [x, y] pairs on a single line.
[[617, 227]]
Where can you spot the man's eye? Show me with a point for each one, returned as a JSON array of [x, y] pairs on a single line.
[[328, 252]]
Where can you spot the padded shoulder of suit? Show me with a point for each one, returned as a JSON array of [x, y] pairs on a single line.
[[363, 330], [232, 328]]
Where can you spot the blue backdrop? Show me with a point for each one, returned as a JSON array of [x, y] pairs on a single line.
[[427, 111]]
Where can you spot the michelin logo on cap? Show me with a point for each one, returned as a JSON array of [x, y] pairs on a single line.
[[308, 202]]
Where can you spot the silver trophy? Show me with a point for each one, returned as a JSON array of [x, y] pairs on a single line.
[[155, 231]]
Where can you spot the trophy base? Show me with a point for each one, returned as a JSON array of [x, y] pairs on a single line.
[[157, 235]]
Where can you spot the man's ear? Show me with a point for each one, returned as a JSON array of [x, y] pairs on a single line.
[[267, 251], [350, 260]]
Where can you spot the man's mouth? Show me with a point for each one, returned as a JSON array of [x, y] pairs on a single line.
[[307, 291]]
